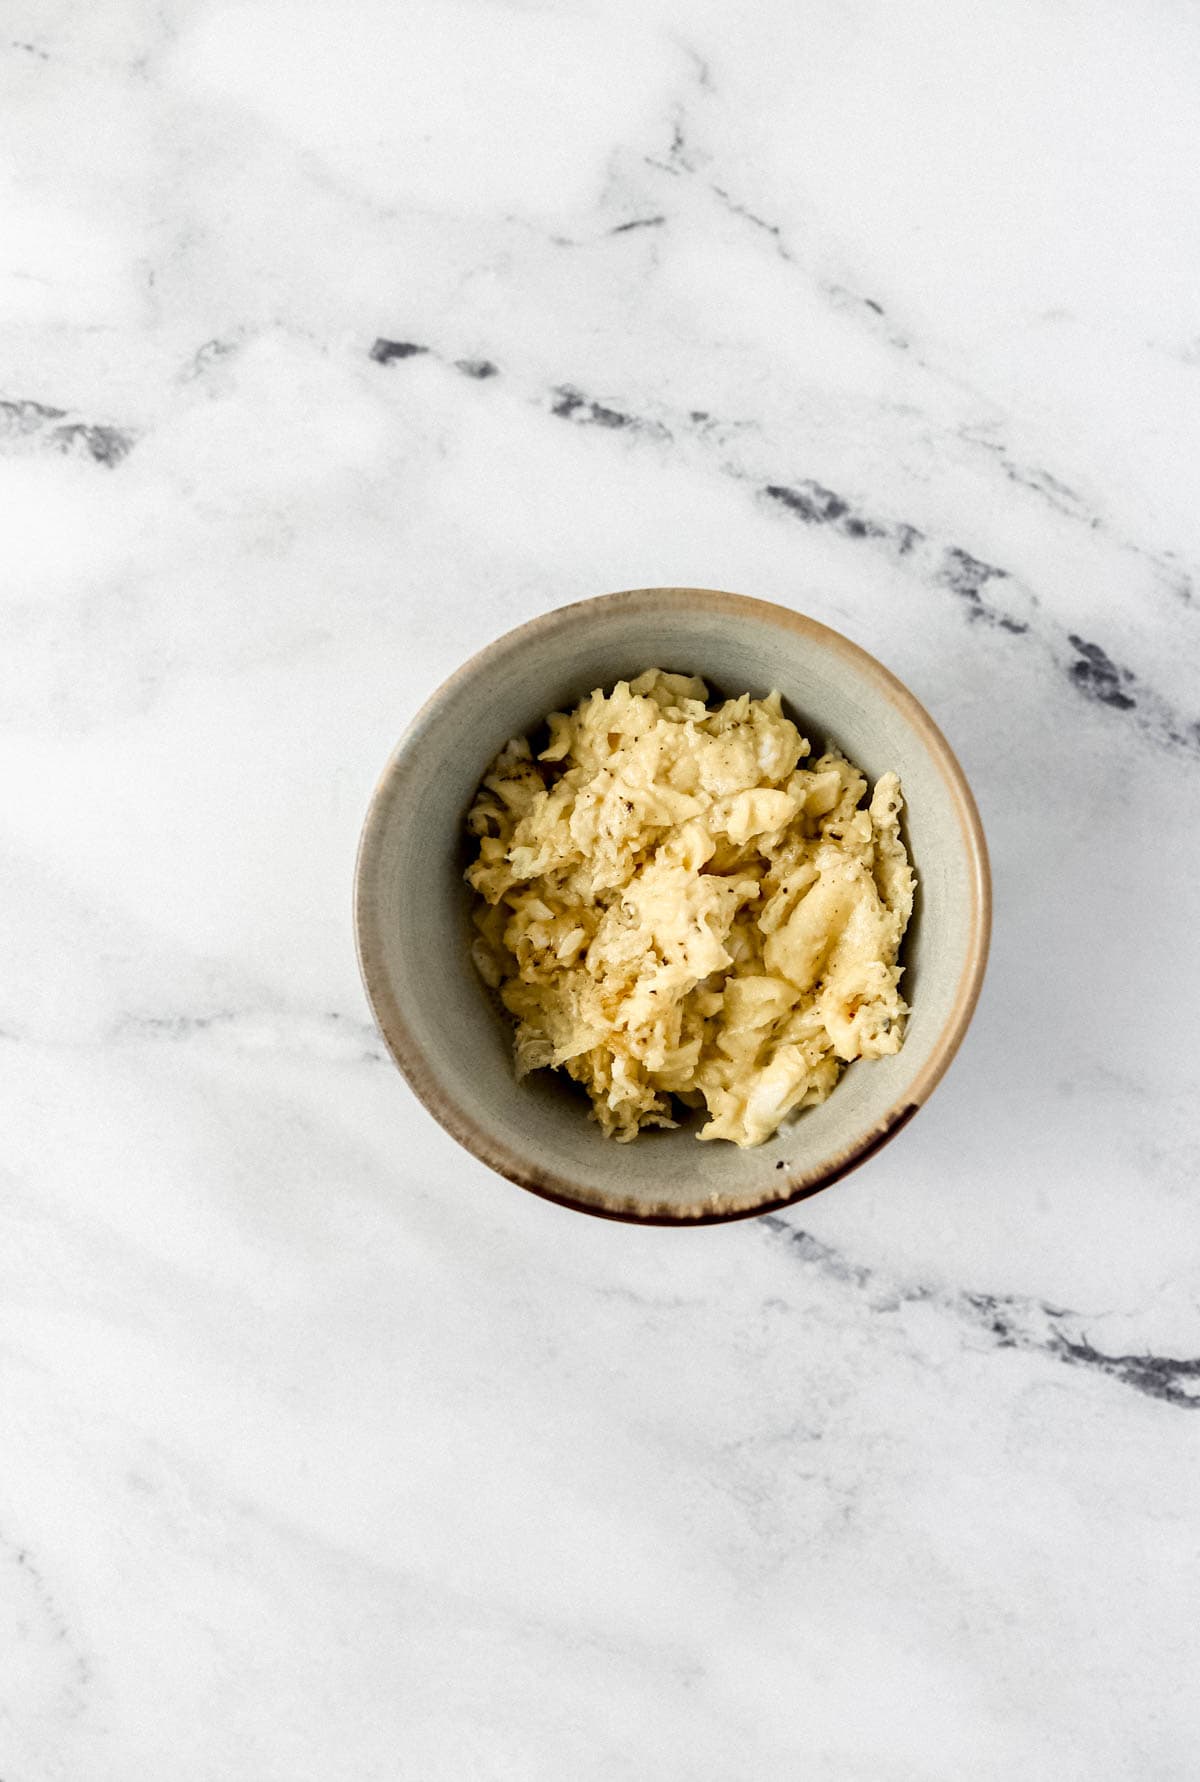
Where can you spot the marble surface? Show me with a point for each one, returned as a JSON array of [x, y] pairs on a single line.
[[334, 340]]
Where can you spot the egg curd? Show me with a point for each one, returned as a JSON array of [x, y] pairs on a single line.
[[671, 906]]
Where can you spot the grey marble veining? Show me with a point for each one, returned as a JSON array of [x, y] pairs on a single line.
[[333, 342]]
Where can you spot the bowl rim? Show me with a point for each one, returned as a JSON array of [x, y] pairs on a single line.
[[458, 1120]]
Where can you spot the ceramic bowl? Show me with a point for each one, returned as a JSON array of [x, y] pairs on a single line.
[[412, 911]]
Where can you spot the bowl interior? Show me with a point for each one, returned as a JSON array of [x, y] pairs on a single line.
[[413, 911]]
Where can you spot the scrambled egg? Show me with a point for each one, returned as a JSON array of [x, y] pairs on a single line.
[[672, 906]]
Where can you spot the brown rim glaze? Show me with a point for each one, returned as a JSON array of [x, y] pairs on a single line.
[[459, 1122]]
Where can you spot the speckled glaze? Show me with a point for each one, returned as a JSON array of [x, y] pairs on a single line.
[[412, 911]]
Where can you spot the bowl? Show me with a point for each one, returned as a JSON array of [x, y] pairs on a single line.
[[451, 1038]]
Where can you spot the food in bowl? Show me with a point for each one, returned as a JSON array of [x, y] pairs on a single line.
[[675, 911]]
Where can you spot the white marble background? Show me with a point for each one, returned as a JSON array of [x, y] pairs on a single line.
[[324, 1454]]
